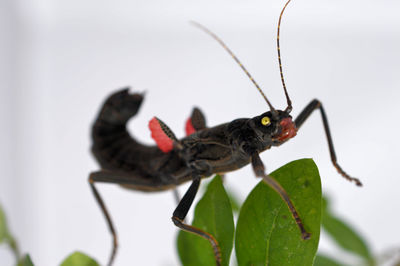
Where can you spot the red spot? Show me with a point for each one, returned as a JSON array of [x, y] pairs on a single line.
[[289, 129], [189, 127], [163, 141]]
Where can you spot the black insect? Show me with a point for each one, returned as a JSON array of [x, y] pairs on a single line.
[[203, 152]]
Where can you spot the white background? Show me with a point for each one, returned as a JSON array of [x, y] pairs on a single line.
[[60, 59]]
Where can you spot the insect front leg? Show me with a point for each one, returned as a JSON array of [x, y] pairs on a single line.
[[313, 105], [259, 171], [181, 211]]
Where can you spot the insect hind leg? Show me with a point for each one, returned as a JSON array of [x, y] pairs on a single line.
[[99, 177], [127, 180]]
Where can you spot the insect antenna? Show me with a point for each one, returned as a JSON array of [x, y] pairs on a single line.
[[213, 35], [289, 102]]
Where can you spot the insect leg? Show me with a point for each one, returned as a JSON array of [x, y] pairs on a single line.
[[259, 171], [195, 122], [313, 105], [181, 212], [95, 177], [114, 178]]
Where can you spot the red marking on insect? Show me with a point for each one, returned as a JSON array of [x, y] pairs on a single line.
[[289, 129], [163, 141], [189, 127]]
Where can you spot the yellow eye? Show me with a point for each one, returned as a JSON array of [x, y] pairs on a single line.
[[265, 121]]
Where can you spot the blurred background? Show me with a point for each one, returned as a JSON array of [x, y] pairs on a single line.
[[59, 59]]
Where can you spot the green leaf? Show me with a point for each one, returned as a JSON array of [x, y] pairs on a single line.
[[213, 214], [25, 261], [3, 226], [266, 232], [345, 235], [322, 260], [79, 259], [6, 236]]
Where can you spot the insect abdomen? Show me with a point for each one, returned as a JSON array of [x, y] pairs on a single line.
[[112, 145]]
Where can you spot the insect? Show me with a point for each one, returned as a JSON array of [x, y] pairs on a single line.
[[202, 153]]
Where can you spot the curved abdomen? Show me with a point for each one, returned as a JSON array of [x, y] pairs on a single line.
[[117, 151]]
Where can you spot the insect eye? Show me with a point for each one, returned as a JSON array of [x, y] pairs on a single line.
[[265, 121]]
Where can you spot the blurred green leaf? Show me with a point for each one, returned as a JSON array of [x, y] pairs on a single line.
[[344, 235], [79, 259], [322, 260], [3, 226], [5, 235], [266, 232], [213, 214], [25, 261]]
